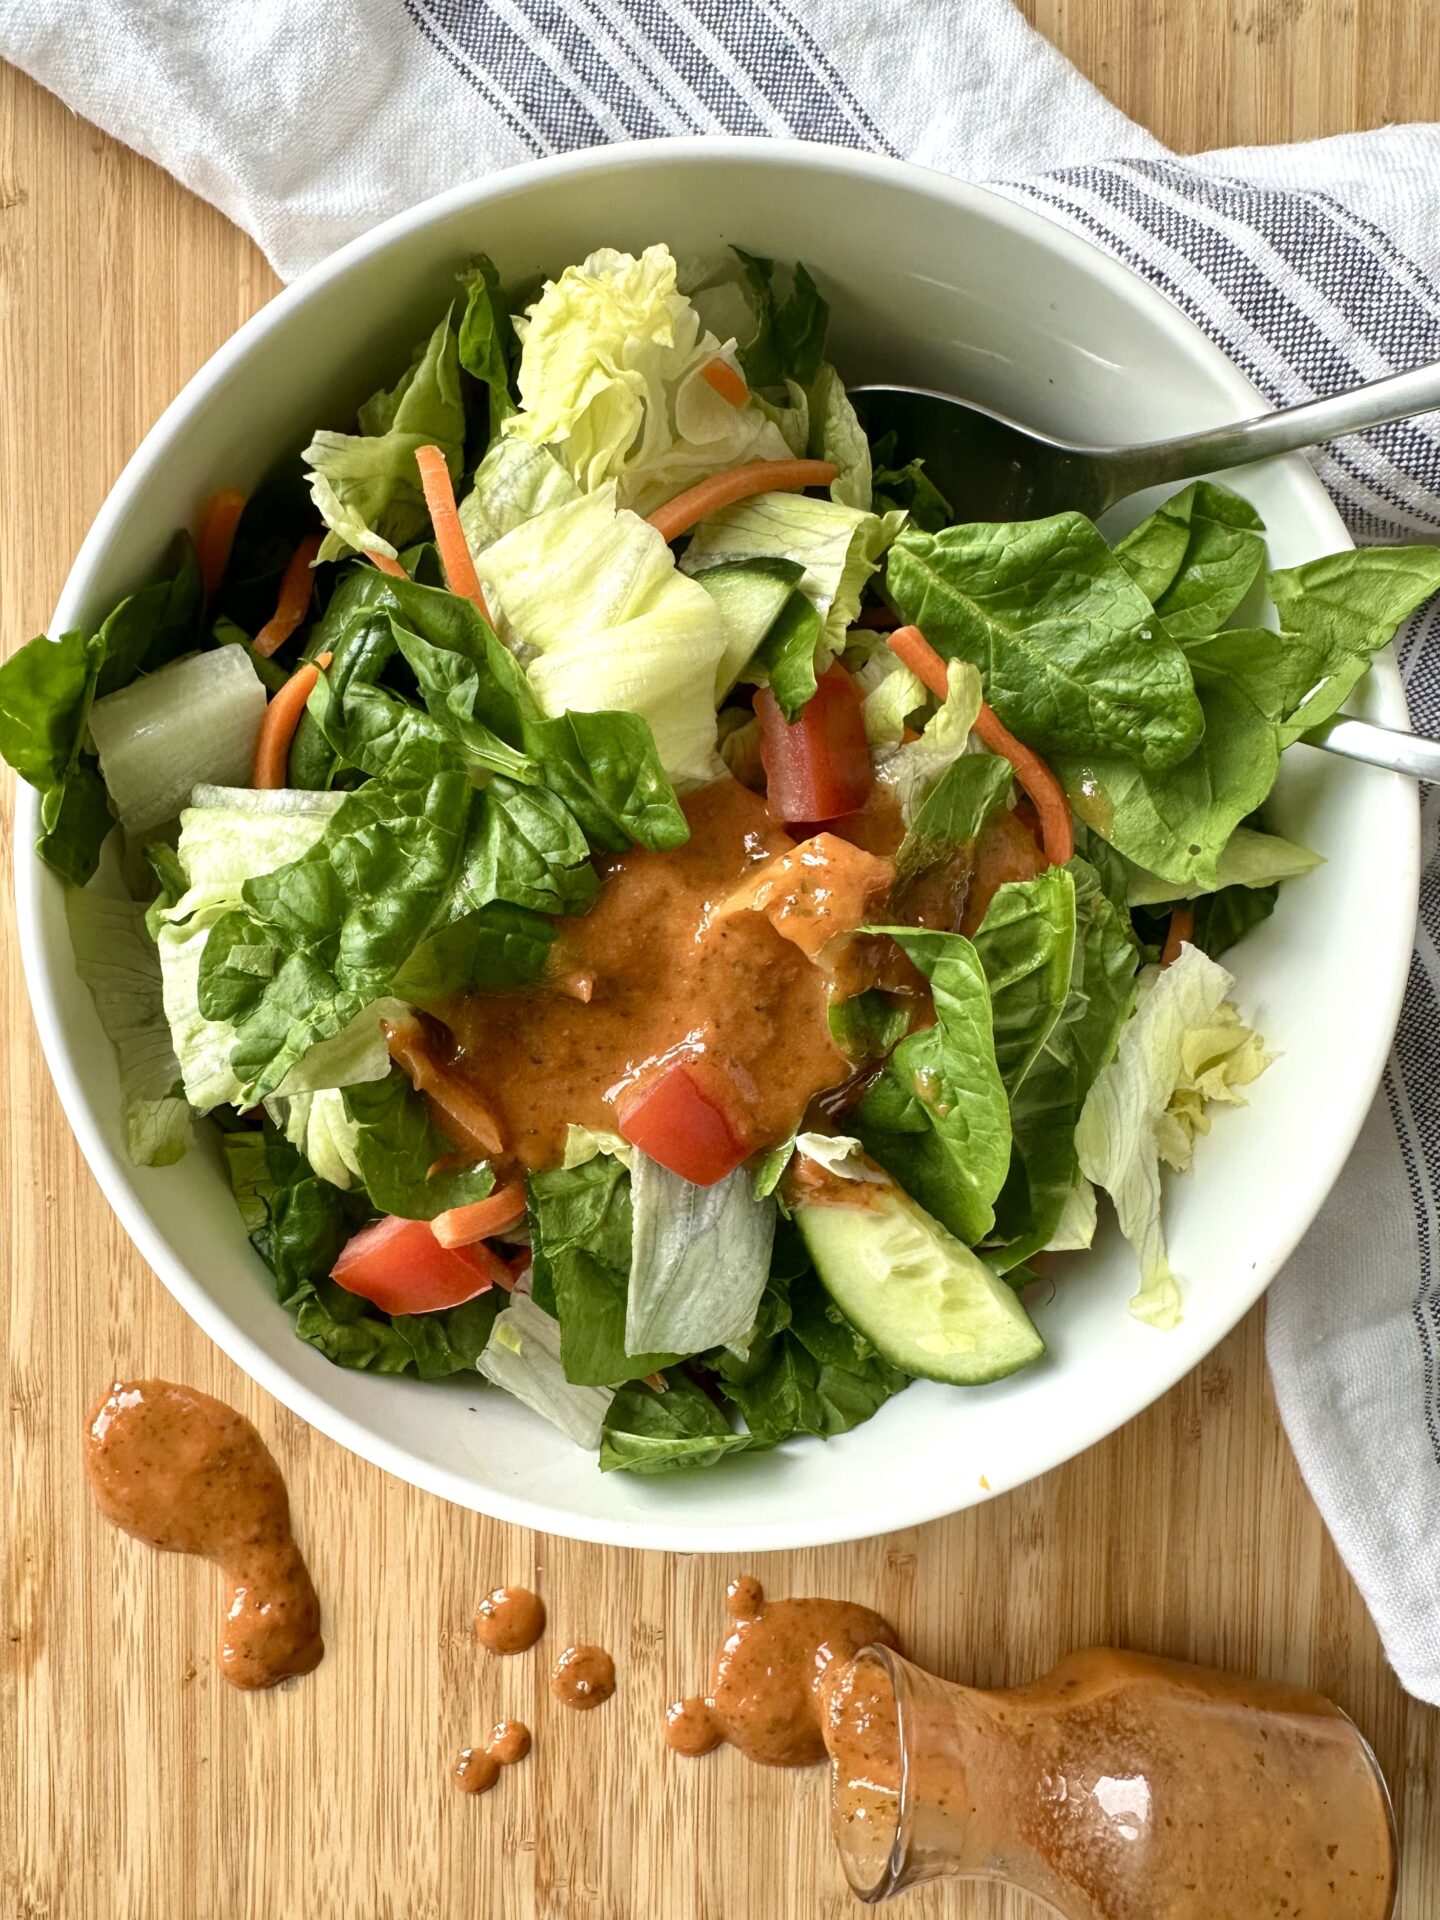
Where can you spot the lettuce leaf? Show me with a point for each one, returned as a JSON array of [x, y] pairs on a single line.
[[838, 546], [936, 1117], [1066, 642], [1169, 1048], [515, 481], [366, 486], [699, 1259], [119, 962], [915, 770], [580, 1236], [1196, 557], [46, 691], [226, 839], [486, 341], [610, 378], [592, 592], [523, 1356], [788, 341], [834, 433]]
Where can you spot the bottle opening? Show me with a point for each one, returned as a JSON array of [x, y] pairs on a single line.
[[869, 1803]]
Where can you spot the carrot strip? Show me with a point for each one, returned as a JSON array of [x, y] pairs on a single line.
[[459, 1109], [720, 375], [1056, 827], [1182, 928], [697, 503], [460, 574], [281, 718], [294, 601], [463, 1226], [387, 565], [216, 537]]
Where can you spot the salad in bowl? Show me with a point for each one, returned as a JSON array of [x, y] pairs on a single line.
[[660, 916]]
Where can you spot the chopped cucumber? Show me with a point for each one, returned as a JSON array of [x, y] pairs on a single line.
[[926, 1302]]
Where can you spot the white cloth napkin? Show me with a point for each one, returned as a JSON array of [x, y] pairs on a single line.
[[1313, 266]]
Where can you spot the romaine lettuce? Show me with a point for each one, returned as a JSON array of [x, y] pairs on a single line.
[[699, 1259]]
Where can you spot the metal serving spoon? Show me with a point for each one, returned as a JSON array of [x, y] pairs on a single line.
[[991, 468]]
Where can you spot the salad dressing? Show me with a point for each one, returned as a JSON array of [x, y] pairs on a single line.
[[664, 973], [584, 1678], [768, 1687], [509, 1620], [476, 1769], [188, 1474]]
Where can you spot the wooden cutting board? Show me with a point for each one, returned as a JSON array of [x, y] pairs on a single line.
[[133, 1782]]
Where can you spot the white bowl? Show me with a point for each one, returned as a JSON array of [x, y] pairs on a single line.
[[931, 282]]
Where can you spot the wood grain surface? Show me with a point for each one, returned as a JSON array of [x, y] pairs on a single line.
[[133, 1782]]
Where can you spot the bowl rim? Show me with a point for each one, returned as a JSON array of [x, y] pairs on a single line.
[[910, 1505]]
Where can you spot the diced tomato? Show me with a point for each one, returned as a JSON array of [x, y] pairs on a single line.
[[687, 1116], [819, 767], [401, 1267]]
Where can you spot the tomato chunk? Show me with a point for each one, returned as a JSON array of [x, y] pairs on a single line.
[[401, 1267], [686, 1115], [819, 767]]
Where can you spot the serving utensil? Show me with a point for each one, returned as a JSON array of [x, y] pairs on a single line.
[[990, 467]]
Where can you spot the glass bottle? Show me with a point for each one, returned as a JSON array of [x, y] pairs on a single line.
[[1117, 1787]]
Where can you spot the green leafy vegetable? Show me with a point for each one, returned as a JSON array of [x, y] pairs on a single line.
[[650, 1432], [908, 488], [367, 485], [522, 1355], [1046, 1106], [118, 961], [936, 1118], [487, 341], [698, 1261], [1196, 557], [46, 690], [1026, 945], [1066, 642], [395, 1143], [580, 1235], [789, 338]]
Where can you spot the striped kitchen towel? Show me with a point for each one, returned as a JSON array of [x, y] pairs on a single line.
[[1312, 266]]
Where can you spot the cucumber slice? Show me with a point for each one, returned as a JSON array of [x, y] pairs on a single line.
[[923, 1300]]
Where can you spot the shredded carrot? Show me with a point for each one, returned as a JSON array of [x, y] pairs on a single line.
[[1056, 827], [656, 1381], [720, 375], [281, 718], [458, 1108], [697, 503], [1182, 928], [463, 1226], [216, 537], [294, 601], [387, 565], [460, 574]]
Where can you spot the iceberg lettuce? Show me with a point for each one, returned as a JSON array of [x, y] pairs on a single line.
[[610, 378], [592, 597], [1183, 1047]]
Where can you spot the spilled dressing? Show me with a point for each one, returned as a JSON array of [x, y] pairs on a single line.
[[476, 1769], [771, 1675], [584, 1677], [509, 1620], [187, 1474]]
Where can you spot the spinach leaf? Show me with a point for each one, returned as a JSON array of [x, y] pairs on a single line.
[[866, 1026], [324, 937], [1334, 614], [1026, 945], [298, 1223], [1196, 557], [264, 541], [46, 690], [498, 947], [789, 341], [602, 765], [650, 1432], [1065, 640], [1177, 823], [153, 626], [580, 1231], [936, 1117], [1046, 1106], [808, 1369], [953, 814], [397, 1143]]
